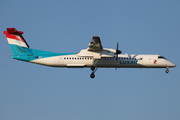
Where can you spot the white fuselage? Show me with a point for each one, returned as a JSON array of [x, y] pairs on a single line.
[[123, 61]]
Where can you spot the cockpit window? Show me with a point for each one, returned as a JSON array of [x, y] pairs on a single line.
[[161, 57]]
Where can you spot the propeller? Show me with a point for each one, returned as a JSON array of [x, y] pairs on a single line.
[[117, 52]]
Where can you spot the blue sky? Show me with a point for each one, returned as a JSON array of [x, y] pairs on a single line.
[[33, 92]]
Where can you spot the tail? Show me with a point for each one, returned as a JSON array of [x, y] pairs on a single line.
[[17, 43]]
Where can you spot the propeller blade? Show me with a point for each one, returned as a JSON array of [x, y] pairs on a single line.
[[117, 46], [117, 51]]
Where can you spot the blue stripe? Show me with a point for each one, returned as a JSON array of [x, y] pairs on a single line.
[[16, 50], [27, 54], [39, 56]]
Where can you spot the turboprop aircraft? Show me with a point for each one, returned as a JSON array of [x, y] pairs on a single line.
[[94, 57]]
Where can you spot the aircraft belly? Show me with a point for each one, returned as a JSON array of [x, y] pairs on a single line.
[[50, 61]]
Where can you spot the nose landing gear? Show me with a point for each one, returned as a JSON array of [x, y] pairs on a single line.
[[93, 68], [167, 70]]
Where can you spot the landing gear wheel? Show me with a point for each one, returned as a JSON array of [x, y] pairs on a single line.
[[167, 70], [92, 75], [92, 68]]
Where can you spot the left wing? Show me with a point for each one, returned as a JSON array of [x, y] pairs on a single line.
[[95, 44]]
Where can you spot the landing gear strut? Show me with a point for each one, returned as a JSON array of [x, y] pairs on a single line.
[[93, 68], [167, 70]]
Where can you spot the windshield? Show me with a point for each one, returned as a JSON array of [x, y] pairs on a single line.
[[161, 57]]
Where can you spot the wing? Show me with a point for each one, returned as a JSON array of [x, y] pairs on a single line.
[[95, 44]]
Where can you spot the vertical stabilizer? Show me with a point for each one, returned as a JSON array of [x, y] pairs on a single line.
[[17, 43]]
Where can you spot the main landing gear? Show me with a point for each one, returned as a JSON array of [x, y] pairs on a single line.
[[167, 70], [93, 68]]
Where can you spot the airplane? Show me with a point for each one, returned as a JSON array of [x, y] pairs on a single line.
[[94, 57]]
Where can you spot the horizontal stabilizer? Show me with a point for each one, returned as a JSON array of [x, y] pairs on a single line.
[[13, 31]]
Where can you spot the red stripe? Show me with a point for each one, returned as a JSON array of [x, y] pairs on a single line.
[[96, 36], [14, 37]]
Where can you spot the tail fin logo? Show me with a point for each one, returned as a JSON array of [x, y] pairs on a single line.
[[14, 37], [11, 36], [17, 42], [155, 61]]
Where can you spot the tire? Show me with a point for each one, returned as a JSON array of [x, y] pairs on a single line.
[[92, 75], [92, 68]]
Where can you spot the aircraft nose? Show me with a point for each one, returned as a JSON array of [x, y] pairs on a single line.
[[170, 64]]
